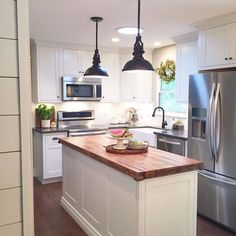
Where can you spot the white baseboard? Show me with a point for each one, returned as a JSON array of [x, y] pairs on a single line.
[[80, 220]]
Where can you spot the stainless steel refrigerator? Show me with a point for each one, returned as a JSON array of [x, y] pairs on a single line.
[[212, 139]]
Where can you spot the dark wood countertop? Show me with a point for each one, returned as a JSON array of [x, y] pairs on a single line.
[[154, 163]]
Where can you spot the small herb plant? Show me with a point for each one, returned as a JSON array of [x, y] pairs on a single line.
[[45, 112]]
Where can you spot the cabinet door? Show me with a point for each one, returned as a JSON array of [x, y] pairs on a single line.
[[110, 85], [213, 47], [232, 48], [85, 60], [126, 81], [48, 75], [143, 86], [186, 64], [71, 63], [53, 156]]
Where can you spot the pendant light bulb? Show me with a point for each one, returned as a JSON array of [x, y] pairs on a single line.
[[138, 63], [96, 70]]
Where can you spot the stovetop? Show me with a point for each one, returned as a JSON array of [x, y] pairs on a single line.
[[86, 128]]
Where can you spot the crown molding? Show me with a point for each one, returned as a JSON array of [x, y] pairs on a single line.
[[215, 21], [185, 38]]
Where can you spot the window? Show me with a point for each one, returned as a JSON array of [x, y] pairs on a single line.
[[167, 98]]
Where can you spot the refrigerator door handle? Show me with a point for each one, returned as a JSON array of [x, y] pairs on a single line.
[[217, 122], [210, 123], [232, 183]]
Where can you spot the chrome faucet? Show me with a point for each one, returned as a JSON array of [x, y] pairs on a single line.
[[164, 123]]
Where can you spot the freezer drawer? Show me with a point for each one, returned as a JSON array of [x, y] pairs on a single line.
[[217, 198], [169, 144]]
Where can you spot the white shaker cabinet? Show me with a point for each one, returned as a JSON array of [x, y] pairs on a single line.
[[186, 64], [45, 74], [110, 84], [135, 86], [48, 156], [217, 47], [76, 62]]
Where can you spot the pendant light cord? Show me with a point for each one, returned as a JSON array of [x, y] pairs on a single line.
[[138, 17], [96, 35]]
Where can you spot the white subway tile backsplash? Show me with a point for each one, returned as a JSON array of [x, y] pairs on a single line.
[[8, 58], [8, 19], [9, 102], [10, 133], [10, 170]]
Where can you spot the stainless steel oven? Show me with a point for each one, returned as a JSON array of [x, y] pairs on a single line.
[[80, 123], [81, 89]]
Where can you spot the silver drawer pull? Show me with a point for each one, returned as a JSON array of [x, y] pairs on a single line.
[[169, 142], [55, 138]]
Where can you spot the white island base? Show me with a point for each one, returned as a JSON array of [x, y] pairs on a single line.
[[106, 202]]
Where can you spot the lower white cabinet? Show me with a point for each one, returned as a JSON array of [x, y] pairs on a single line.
[[48, 156], [106, 202]]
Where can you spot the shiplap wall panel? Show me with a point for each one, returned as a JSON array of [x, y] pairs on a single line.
[[9, 133], [8, 58], [11, 230], [10, 92], [10, 206], [10, 171], [8, 19]]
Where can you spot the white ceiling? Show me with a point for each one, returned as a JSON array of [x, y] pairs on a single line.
[[69, 20]]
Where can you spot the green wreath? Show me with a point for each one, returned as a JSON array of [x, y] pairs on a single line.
[[166, 71]]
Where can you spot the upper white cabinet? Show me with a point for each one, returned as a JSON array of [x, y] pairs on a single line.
[[186, 63], [110, 85], [217, 47], [76, 62], [45, 73], [135, 86]]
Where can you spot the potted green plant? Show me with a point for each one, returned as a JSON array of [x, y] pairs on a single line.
[[178, 125], [45, 113]]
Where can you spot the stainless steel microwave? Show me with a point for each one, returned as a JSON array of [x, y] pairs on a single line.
[[81, 89]]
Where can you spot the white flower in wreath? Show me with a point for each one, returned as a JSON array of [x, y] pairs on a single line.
[[166, 71]]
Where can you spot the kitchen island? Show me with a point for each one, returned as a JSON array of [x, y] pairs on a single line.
[[148, 194]]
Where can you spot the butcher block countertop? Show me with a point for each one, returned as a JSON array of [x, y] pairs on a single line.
[[154, 163]]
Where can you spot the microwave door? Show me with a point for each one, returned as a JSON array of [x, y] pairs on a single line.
[[78, 92]]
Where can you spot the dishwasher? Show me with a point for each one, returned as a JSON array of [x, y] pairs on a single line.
[[171, 144]]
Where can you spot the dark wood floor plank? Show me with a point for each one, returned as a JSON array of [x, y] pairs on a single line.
[[52, 220], [50, 217]]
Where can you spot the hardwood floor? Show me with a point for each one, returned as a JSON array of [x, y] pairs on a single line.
[[52, 220]]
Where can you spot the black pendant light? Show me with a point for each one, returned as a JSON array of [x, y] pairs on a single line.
[[138, 63], [96, 70]]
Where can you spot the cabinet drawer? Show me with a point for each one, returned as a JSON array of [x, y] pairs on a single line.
[[10, 171], [11, 230], [52, 139], [8, 58], [10, 206], [10, 133], [8, 16]]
